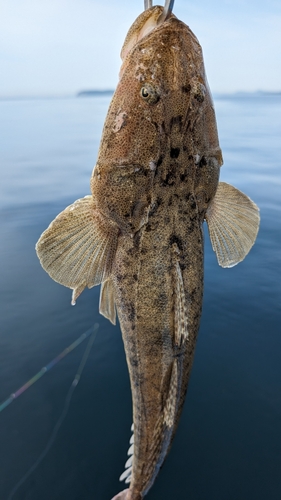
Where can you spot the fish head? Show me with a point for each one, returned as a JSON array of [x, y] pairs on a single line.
[[162, 109]]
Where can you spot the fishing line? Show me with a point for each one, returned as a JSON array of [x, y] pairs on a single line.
[[45, 369], [74, 384]]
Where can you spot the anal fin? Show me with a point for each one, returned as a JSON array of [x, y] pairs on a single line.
[[127, 474]]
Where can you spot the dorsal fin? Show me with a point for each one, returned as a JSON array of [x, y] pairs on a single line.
[[181, 329]]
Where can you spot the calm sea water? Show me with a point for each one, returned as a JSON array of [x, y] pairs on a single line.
[[228, 445]]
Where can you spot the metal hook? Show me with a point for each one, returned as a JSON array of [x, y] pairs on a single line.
[[169, 4]]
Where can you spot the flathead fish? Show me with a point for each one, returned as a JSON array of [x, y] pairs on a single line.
[[139, 234]]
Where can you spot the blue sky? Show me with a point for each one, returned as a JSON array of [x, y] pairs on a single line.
[[56, 47]]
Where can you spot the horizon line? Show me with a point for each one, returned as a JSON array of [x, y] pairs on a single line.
[[100, 92]]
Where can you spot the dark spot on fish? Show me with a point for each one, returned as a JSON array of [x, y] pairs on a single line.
[[203, 162], [159, 161], [177, 240], [199, 97], [170, 178], [190, 229], [155, 206], [136, 240], [183, 177], [135, 276], [159, 127], [131, 312], [187, 126], [178, 354], [186, 89], [134, 362], [130, 306], [199, 92], [176, 121], [182, 266], [162, 298], [174, 152], [148, 227], [192, 202]]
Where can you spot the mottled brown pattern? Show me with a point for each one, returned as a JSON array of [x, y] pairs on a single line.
[[174, 134], [140, 234]]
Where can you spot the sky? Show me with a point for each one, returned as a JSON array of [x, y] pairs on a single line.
[[60, 47]]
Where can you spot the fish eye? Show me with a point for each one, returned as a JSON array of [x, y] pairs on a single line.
[[149, 93]]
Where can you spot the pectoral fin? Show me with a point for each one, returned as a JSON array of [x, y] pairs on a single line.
[[233, 223], [78, 247], [107, 303]]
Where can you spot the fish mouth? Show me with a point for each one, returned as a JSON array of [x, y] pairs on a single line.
[[126, 164], [148, 21], [134, 167]]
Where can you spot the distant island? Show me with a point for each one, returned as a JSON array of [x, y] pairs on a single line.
[[92, 93], [218, 95]]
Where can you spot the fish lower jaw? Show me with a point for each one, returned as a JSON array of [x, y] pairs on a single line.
[[127, 495]]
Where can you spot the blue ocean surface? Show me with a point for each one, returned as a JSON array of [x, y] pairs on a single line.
[[228, 444]]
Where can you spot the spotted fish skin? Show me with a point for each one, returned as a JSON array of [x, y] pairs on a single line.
[[168, 147], [159, 363], [140, 233]]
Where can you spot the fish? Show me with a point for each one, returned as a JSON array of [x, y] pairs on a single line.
[[140, 233]]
